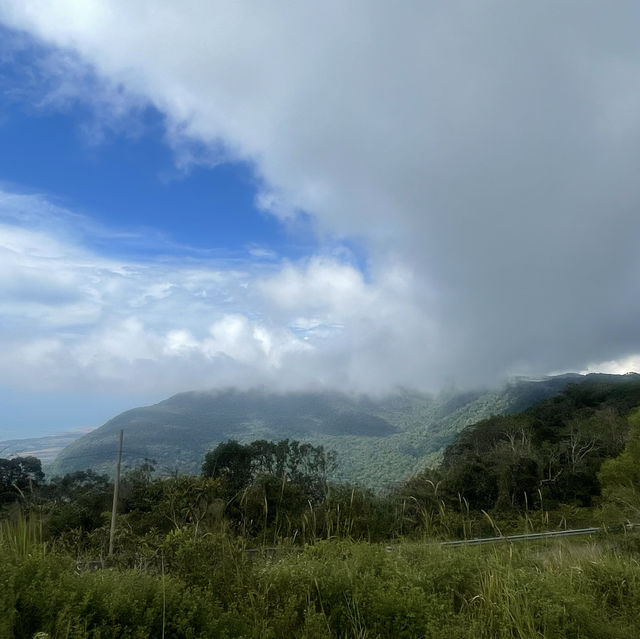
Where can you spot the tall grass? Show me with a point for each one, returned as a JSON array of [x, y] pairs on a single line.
[[206, 585], [22, 535]]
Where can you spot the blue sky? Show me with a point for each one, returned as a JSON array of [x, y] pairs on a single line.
[[125, 179], [353, 196], [125, 176]]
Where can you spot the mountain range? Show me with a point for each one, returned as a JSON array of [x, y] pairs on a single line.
[[379, 440]]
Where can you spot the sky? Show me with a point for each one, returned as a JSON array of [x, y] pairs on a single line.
[[361, 196]]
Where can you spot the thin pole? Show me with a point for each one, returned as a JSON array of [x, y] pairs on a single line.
[[164, 595], [116, 485]]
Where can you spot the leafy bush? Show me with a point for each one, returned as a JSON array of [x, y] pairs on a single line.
[[332, 589]]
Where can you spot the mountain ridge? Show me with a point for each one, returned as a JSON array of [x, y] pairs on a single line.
[[379, 441]]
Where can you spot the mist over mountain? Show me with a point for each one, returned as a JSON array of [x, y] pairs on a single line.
[[379, 441], [370, 196]]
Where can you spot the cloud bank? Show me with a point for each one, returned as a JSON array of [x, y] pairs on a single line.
[[485, 153], [75, 318]]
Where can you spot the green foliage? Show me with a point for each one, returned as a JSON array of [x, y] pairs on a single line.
[[49, 596], [620, 477], [544, 457], [18, 478], [80, 499], [265, 466], [263, 546], [22, 535], [380, 440], [232, 461], [332, 589]]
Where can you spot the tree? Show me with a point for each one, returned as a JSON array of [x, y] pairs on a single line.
[[303, 464], [18, 477], [240, 465], [620, 477], [230, 461], [80, 499]]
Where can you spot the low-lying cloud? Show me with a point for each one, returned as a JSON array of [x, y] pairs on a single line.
[[485, 153], [75, 318]]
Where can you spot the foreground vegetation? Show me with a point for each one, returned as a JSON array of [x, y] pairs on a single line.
[[260, 544], [209, 588]]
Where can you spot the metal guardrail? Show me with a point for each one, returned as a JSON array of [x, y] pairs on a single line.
[[523, 537], [271, 552]]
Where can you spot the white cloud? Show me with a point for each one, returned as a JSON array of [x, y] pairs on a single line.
[[251, 342], [323, 283], [76, 319], [486, 154], [628, 364]]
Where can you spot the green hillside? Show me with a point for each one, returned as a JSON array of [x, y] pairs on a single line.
[[260, 545], [550, 453], [379, 441]]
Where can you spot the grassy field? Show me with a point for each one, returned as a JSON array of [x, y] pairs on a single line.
[[208, 586]]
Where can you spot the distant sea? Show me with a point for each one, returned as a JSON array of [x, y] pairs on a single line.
[[45, 448]]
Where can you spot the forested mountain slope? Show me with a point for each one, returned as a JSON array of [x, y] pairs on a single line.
[[550, 453], [379, 441]]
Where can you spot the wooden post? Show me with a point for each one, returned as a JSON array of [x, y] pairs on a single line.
[[116, 485]]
